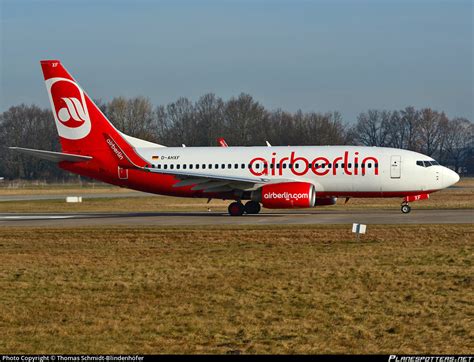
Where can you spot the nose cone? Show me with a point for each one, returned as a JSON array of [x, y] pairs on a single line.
[[450, 177]]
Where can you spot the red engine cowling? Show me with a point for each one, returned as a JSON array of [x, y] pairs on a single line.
[[288, 195]]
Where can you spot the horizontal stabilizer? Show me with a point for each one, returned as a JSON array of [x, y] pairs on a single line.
[[52, 156]]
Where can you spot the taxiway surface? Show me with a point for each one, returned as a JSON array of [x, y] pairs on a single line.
[[214, 218]]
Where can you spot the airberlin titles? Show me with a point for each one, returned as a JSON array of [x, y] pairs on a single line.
[[320, 166]]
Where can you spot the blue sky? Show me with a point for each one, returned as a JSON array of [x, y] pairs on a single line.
[[320, 56]]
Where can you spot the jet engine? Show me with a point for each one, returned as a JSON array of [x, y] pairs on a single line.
[[286, 195]]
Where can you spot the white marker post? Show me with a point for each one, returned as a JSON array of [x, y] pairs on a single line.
[[359, 229], [74, 199]]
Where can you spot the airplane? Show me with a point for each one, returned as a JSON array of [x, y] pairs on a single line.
[[276, 177]]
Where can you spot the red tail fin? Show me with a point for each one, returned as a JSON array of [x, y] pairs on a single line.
[[82, 127]]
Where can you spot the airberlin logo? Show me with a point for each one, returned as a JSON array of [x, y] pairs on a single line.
[[69, 108], [347, 164], [285, 195], [115, 149], [74, 111]]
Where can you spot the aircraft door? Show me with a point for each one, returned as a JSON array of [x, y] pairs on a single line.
[[122, 173], [395, 166]]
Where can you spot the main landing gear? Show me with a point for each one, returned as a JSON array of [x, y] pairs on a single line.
[[238, 209]]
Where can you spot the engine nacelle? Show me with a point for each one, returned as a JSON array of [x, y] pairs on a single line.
[[286, 195]]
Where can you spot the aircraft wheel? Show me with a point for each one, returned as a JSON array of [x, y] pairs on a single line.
[[406, 209], [236, 209], [252, 207]]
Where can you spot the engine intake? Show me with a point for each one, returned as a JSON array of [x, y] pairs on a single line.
[[286, 195]]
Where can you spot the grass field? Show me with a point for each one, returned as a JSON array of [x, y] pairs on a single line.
[[404, 289], [461, 197]]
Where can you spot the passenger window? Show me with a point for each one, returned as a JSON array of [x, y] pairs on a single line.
[[165, 167], [197, 166], [159, 166], [297, 165], [184, 167], [290, 165], [257, 166], [203, 166], [236, 165], [178, 166], [242, 166], [336, 165], [349, 165], [191, 166], [376, 165], [216, 166], [284, 165], [210, 165], [329, 165], [369, 165]]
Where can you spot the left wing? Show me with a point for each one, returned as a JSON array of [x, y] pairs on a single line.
[[215, 183]]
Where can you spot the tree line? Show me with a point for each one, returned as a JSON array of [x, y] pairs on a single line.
[[242, 121]]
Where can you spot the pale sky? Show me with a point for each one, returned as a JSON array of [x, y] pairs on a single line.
[[343, 55]]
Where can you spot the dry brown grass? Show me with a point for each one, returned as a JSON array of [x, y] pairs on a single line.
[[406, 289]]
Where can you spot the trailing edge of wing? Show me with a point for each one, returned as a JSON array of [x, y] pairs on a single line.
[[208, 182], [52, 156]]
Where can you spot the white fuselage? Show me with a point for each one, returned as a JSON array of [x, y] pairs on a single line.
[[384, 171]]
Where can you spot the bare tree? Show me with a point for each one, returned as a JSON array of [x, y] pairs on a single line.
[[242, 118], [28, 126], [459, 141], [429, 131], [372, 128]]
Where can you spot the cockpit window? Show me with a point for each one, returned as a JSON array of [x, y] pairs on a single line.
[[427, 163]]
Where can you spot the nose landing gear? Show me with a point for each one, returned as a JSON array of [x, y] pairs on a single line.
[[405, 208]]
